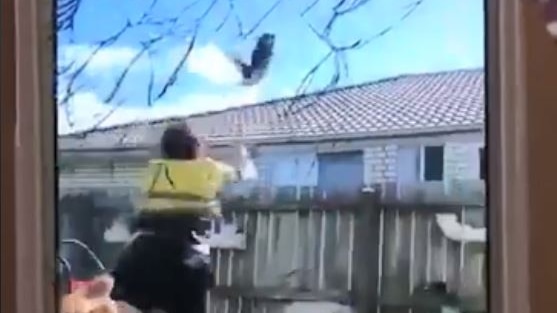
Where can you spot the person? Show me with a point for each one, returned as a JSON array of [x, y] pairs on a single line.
[[160, 267], [92, 298]]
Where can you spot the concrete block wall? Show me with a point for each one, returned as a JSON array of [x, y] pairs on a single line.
[[102, 176], [461, 161], [380, 164], [461, 173]]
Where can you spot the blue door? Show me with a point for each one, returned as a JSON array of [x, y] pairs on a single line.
[[341, 174]]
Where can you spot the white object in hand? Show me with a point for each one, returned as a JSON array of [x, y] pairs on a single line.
[[245, 165]]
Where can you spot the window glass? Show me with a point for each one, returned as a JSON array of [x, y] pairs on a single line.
[[433, 163], [215, 155]]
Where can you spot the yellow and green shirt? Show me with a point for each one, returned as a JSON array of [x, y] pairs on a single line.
[[189, 186]]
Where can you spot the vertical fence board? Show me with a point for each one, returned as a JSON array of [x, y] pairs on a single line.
[[239, 260], [315, 267], [438, 243], [336, 249], [366, 229], [396, 260], [260, 276], [248, 256], [335, 253], [420, 263]]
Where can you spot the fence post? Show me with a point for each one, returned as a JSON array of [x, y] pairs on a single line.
[[366, 254]]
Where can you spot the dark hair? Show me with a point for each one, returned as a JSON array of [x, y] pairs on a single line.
[[179, 143]]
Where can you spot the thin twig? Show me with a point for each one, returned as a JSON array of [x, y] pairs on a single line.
[[239, 23], [311, 73], [262, 18], [145, 46], [309, 7], [99, 46], [174, 76], [386, 30], [66, 11], [106, 116], [177, 26], [338, 13], [151, 84], [338, 52], [224, 20]]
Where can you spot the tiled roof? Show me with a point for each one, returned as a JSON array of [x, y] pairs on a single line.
[[405, 104]]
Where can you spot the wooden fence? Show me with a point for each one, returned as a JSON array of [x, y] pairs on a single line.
[[368, 255], [415, 254]]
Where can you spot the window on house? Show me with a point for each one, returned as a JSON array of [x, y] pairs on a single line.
[[340, 174], [483, 167], [433, 163]]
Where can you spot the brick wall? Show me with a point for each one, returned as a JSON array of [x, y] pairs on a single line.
[[461, 173], [461, 161], [380, 164], [462, 169]]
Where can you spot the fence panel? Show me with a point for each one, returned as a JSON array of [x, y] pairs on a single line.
[[361, 252], [418, 260], [293, 253], [332, 254]]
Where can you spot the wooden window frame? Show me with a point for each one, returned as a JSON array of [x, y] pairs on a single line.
[[521, 71]]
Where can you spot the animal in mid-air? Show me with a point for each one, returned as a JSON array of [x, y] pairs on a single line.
[[261, 56]]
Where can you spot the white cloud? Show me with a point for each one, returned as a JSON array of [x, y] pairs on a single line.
[[213, 64], [207, 61], [86, 109], [106, 59]]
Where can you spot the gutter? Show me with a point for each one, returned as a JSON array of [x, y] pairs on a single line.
[[299, 139]]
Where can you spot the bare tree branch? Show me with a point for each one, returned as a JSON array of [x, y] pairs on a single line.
[[174, 76], [66, 11], [262, 18], [388, 29], [306, 81], [146, 45], [151, 84], [309, 7], [239, 23], [339, 52], [176, 26], [224, 20], [338, 13], [106, 116], [99, 46]]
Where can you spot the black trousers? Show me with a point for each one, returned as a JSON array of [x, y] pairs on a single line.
[[156, 271]]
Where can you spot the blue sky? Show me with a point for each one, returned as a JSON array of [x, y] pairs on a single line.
[[439, 35]]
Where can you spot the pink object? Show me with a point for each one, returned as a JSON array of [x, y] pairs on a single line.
[[74, 284]]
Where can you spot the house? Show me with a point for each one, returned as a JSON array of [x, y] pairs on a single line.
[[418, 137]]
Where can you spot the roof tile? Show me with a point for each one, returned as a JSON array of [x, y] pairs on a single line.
[[400, 104]]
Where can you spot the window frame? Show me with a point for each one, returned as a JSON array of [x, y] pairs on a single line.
[[482, 164], [28, 157], [520, 266], [423, 163]]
